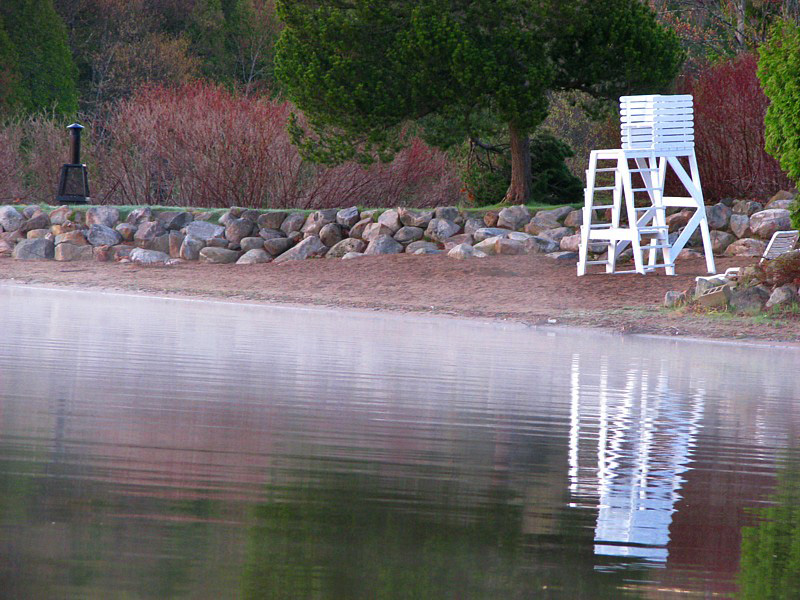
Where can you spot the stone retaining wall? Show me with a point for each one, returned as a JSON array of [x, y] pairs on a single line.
[[740, 228]]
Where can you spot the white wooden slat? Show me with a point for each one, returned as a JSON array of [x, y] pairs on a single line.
[[666, 97]]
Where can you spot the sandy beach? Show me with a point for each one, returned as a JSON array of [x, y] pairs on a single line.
[[530, 289]]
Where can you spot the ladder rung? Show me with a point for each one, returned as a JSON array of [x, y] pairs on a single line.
[[597, 262], [653, 228], [601, 206], [604, 188], [642, 170], [651, 207], [656, 247], [605, 170], [600, 226], [646, 189], [658, 266]]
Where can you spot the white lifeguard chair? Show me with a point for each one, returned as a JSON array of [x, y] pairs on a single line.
[[657, 131]]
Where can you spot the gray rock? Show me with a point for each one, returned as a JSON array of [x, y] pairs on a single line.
[[143, 256], [347, 217], [687, 254], [574, 219], [424, 251], [696, 239], [254, 257], [229, 216], [217, 243], [485, 233], [126, 230], [140, 215], [782, 296], [70, 252], [218, 256], [746, 247], [271, 220], [38, 249], [237, 230], [190, 248], [718, 216], [120, 251], [674, 299], [175, 242], [252, 243], [331, 234], [293, 222], [357, 230], [6, 247], [747, 207], [408, 234], [37, 221], [251, 215], [370, 214], [160, 244], [461, 238], [508, 247], [384, 244], [422, 245], [415, 218], [489, 246], [557, 234], [102, 215], [277, 246], [679, 219], [448, 213], [37, 233], [311, 247], [374, 231], [514, 217], [540, 245], [519, 236], [351, 255], [783, 203], [60, 215], [150, 230], [782, 196], [540, 223], [103, 235], [472, 225], [72, 237], [10, 218], [317, 220], [270, 234], [347, 245], [763, 224], [203, 230], [31, 211], [463, 251], [295, 237], [720, 240], [563, 256], [555, 214], [740, 226], [175, 221], [748, 300], [391, 219], [440, 229]]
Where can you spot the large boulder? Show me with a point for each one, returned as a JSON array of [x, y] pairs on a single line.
[[384, 244], [103, 235], [251, 243], [331, 234], [718, 216], [781, 200], [763, 224], [556, 214], [269, 234], [748, 300], [190, 248], [126, 230], [441, 229], [408, 234], [61, 214], [448, 213], [489, 246], [150, 230], [202, 230], [345, 246], [271, 220], [218, 256], [277, 246], [140, 215], [490, 218], [540, 223], [357, 230], [487, 232], [514, 217], [415, 218], [37, 233], [10, 218], [375, 230], [782, 296], [747, 207], [428, 247], [391, 219], [72, 237], [38, 221], [679, 219], [175, 243], [557, 234], [6, 247], [540, 245], [238, 229], [574, 219], [70, 252], [746, 247], [174, 220], [740, 225], [102, 215], [720, 240], [142, 256], [254, 257], [317, 220], [347, 217], [293, 222], [472, 225], [37, 249], [310, 247], [463, 251]]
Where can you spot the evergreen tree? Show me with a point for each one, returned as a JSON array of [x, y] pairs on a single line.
[[12, 92], [361, 70], [44, 61]]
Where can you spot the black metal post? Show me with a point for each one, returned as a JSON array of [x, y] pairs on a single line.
[[73, 184], [75, 143]]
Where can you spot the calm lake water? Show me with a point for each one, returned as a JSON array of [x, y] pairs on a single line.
[[163, 448]]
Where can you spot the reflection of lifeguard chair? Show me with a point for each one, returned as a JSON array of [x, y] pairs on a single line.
[[656, 132]]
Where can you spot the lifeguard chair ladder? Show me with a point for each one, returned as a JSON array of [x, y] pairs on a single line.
[[656, 132]]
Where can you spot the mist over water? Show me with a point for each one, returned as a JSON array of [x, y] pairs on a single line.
[[166, 448]]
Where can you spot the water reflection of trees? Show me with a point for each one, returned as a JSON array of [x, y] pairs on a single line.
[[770, 558], [347, 533]]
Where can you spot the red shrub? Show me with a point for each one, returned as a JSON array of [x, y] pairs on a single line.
[[201, 145], [729, 131]]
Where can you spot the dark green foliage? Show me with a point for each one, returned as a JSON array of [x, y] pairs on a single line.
[[779, 72], [12, 92], [486, 178], [44, 61]]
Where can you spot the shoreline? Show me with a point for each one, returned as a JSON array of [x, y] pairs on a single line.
[[575, 311]]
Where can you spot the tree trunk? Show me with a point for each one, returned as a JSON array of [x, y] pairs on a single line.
[[519, 192], [740, 6]]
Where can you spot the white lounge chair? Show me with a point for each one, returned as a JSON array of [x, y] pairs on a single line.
[[781, 242]]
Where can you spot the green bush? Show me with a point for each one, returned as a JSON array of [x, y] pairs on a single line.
[[486, 179]]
